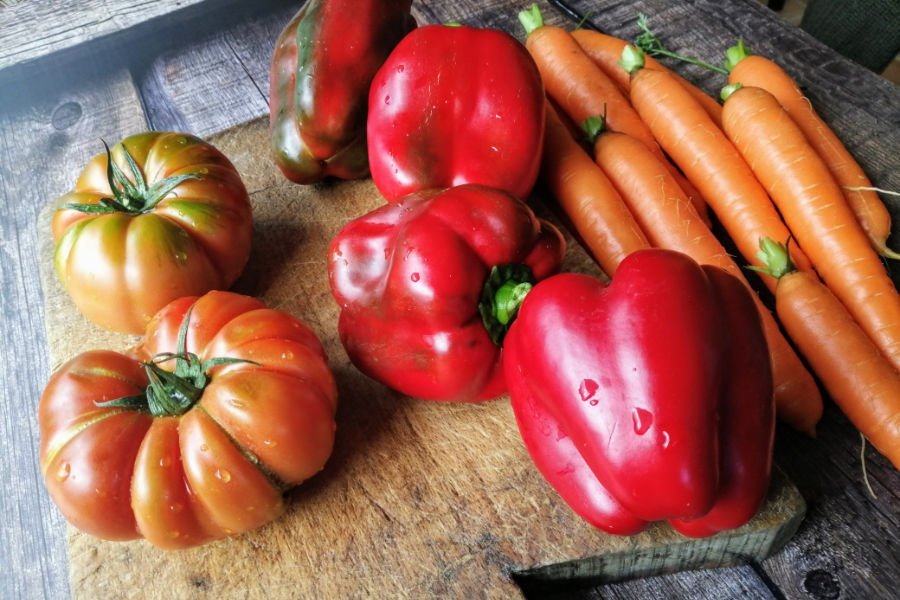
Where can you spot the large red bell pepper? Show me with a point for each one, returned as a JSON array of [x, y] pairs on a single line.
[[454, 105], [410, 278], [647, 399], [322, 66]]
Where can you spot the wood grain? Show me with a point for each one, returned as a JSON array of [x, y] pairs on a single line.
[[419, 498], [48, 134], [847, 546], [32, 30]]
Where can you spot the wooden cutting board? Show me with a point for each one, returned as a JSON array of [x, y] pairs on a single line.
[[419, 498]]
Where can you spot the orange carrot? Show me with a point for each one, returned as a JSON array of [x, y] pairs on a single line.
[[870, 211], [708, 158], [815, 210], [857, 376], [588, 198], [667, 218], [606, 50], [582, 89]]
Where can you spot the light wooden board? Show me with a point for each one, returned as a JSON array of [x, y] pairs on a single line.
[[419, 498]]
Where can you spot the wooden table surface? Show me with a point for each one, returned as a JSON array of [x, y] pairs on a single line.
[[69, 77]]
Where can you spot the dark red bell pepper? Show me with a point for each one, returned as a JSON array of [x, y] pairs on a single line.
[[417, 283], [454, 105], [322, 66], [656, 392]]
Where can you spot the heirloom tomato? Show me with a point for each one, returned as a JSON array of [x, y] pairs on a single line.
[[196, 433], [160, 216]]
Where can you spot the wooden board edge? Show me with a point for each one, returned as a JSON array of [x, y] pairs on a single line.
[[737, 547]]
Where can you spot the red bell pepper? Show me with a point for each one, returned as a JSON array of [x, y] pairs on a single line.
[[322, 66], [411, 277], [454, 105], [659, 402]]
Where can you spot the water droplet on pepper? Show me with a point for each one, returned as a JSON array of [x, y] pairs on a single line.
[[643, 419]]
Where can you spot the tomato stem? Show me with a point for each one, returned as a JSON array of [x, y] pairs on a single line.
[[502, 295], [131, 197], [173, 393]]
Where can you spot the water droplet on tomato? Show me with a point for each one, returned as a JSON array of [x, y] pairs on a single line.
[[223, 475], [177, 507], [666, 439], [587, 389], [165, 461], [63, 473], [414, 277], [594, 402], [387, 99], [181, 257], [204, 447], [287, 355], [270, 443], [400, 68], [643, 419], [238, 403], [181, 141]]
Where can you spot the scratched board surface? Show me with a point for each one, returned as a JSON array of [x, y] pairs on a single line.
[[419, 498]]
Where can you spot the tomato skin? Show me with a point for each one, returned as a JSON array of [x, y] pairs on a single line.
[[220, 468], [120, 268]]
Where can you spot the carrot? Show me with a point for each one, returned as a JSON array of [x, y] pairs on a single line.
[[606, 50], [667, 218], [587, 197], [815, 210], [870, 211], [708, 158], [856, 375], [581, 88]]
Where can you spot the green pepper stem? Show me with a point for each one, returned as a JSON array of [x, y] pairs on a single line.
[[502, 295]]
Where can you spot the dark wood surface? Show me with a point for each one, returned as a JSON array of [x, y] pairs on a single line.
[[208, 71]]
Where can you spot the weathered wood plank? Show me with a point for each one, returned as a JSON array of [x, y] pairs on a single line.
[[200, 88], [35, 29], [48, 134], [731, 583], [216, 82]]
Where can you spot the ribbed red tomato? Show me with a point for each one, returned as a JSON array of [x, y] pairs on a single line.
[[197, 433], [167, 217]]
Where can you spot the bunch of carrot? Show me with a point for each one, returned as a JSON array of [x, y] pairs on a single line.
[[769, 168]]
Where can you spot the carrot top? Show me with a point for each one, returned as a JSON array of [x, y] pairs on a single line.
[[775, 258], [594, 125], [531, 18], [632, 59], [736, 54], [650, 44]]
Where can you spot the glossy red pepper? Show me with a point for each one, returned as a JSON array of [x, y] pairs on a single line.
[[648, 399], [411, 277], [322, 66], [454, 105]]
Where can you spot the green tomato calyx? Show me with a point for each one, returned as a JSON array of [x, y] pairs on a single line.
[[130, 196], [173, 393]]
